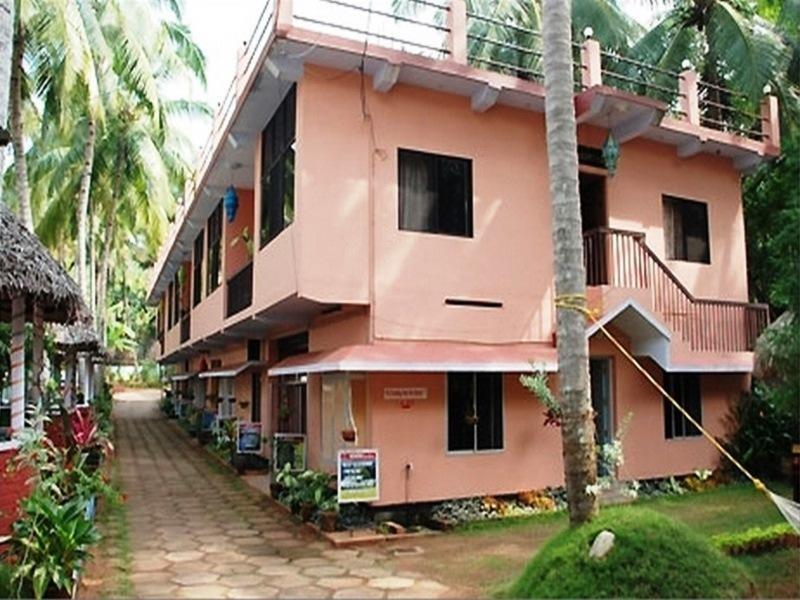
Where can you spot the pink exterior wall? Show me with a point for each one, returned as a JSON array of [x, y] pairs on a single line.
[[531, 458], [236, 254], [415, 272], [647, 170], [332, 331], [207, 316], [647, 452], [332, 191]]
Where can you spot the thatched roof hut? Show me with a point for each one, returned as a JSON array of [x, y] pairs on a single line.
[[80, 337], [27, 268]]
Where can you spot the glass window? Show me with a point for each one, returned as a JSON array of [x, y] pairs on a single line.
[[686, 230], [685, 388], [197, 270], [474, 411], [435, 193], [277, 168], [214, 234]]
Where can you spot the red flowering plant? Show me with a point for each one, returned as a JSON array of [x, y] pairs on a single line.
[[86, 435]]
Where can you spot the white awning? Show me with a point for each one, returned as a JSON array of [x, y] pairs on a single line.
[[231, 371], [417, 356], [183, 376]]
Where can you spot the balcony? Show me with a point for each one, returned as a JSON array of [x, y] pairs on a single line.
[[622, 259], [240, 291]]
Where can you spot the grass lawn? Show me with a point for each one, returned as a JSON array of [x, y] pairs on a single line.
[[485, 556]]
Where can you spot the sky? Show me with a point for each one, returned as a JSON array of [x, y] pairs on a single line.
[[219, 27]]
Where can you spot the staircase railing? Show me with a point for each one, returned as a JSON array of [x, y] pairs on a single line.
[[619, 258]]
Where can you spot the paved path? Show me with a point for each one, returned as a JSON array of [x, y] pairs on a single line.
[[197, 532]]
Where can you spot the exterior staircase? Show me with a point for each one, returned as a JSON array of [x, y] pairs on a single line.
[[622, 259]]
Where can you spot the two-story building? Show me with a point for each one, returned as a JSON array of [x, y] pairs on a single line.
[[364, 257]]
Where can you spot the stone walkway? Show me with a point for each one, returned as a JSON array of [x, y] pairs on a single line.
[[197, 531]]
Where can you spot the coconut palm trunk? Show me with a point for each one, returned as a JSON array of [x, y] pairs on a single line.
[[83, 206], [6, 49], [17, 133], [577, 424]]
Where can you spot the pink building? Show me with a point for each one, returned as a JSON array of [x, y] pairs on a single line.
[[387, 273]]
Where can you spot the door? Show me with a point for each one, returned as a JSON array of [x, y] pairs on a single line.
[[600, 381], [593, 218]]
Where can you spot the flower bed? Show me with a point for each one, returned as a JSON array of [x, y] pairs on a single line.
[[757, 540], [54, 531]]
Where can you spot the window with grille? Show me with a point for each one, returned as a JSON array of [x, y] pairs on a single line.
[[474, 412], [277, 170]]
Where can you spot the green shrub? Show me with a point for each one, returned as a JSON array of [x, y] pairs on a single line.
[[50, 543], [757, 539], [653, 557]]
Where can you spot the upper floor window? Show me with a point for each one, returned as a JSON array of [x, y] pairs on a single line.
[[474, 411], [685, 388], [435, 193], [686, 230], [170, 304], [214, 263], [176, 310], [197, 270], [277, 170]]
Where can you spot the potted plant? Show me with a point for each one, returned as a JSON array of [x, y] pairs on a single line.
[[349, 435], [328, 514]]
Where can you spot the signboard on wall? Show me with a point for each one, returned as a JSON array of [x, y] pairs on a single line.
[[248, 438], [358, 475], [405, 393]]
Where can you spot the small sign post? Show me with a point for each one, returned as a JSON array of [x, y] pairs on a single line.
[[359, 475], [248, 438]]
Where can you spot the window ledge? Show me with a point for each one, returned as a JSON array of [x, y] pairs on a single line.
[[474, 452], [8, 446]]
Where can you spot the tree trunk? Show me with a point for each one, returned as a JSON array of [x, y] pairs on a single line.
[[17, 133], [105, 258], [83, 206], [577, 425]]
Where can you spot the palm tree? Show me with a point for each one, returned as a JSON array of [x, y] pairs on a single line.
[[6, 49], [731, 47], [577, 424]]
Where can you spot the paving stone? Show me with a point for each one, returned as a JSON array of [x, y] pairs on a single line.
[[147, 577], [150, 564], [194, 566], [371, 572], [255, 592], [233, 568], [339, 583], [195, 578], [357, 593], [156, 590], [391, 583], [326, 571], [244, 579], [183, 556], [202, 591], [266, 561], [290, 581], [278, 570], [305, 592]]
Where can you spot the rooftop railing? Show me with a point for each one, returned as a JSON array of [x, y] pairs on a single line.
[[446, 30]]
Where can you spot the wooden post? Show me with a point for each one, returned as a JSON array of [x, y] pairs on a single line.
[[85, 377], [18, 363], [690, 104], [69, 379], [592, 71], [35, 397], [770, 121], [457, 24]]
